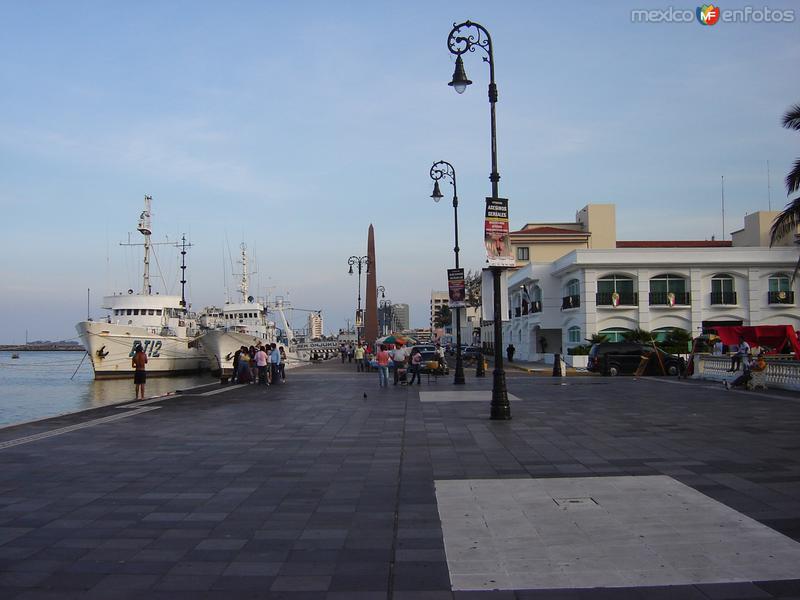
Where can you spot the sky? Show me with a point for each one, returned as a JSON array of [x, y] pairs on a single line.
[[291, 126]]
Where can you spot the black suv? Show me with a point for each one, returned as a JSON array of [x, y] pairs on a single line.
[[618, 358]]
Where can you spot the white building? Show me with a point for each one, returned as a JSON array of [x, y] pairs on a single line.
[[603, 286], [315, 326]]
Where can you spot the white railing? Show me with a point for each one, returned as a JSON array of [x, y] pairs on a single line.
[[780, 374]]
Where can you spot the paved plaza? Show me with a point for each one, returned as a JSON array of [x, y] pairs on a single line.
[[330, 488]]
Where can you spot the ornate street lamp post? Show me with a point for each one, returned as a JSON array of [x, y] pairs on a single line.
[[385, 307], [361, 262], [466, 37], [380, 292], [439, 170]]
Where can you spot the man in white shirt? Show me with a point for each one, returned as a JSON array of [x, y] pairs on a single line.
[[399, 355], [261, 363]]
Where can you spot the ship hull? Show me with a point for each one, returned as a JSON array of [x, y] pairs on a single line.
[[220, 346], [110, 346]]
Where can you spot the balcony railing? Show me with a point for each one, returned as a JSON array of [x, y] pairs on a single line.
[[623, 299], [723, 297], [536, 306], [780, 297], [670, 298], [573, 301]]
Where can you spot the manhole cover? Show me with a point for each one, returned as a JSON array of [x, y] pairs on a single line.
[[586, 502]]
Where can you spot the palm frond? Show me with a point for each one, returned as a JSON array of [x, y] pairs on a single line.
[[786, 222], [793, 178], [791, 120]]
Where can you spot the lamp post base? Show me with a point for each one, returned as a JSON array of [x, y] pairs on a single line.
[[501, 409], [459, 376]]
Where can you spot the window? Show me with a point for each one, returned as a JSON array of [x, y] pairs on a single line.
[[135, 311], [615, 283], [158, 312], [669, 290], [573, 288], [613, 290], [779, 283], [721, 283], [523, 254], [780, 289], [151, 311], [614, 334], [574, 335], [130, 312], [668, 283], [723, 289]]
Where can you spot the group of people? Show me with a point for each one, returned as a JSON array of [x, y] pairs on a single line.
[[265, 364], [382, 357]]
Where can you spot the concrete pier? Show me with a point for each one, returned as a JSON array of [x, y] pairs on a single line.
[[330, 488]]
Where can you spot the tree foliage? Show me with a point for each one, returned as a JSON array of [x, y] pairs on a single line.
[[443, 317]]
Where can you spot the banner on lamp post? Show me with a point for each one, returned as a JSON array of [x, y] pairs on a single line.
[[359, 318], [456, 288], [496, 234], [487, 295]]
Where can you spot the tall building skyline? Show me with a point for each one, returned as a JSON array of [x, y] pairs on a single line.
[[315, 325]]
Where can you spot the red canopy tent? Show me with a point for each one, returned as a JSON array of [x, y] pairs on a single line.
[[773, 338]]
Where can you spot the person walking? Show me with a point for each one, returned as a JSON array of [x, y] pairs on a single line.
[[343, 351], [350, 352], [275, 363], [261, 364], [416, 365], [282, 365], [235, 374], [359, 356], [383, 359], [510, 352], [138, 362]]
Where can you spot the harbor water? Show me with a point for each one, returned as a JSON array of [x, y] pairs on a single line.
[[40, 384]]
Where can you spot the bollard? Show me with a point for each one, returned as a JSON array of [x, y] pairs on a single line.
[[557, 365]]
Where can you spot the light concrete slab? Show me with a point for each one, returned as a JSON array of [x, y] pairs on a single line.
[[508, 534], [475, 396]]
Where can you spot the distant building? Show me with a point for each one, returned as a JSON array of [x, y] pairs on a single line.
[[422, 335], [315, 325], [401, 317], [438, 300]]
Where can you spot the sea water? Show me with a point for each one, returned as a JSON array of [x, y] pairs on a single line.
[[41, 384]]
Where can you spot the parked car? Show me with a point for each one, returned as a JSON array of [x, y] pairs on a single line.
[[471, 354], [422, 348], [620, 358]]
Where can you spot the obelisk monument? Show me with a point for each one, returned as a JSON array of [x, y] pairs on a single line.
[[371, 312]]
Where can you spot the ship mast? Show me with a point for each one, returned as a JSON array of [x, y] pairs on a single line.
[[183, 246], [144, 229], [244, 282]]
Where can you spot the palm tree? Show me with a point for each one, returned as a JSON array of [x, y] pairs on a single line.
[[786, 222], [443, 317], [638, 335]]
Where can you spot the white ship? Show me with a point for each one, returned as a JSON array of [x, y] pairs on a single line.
[[160, 323], [244, 323]]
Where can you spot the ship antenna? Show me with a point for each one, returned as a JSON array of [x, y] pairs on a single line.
[[144, 229]]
